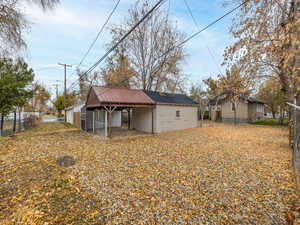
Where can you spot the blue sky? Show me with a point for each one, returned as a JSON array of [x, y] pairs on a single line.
[[64, 35]]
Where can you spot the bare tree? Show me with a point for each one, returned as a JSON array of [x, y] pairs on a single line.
[[200, 96], [152, 49], [45, 4], [83, 85], [267, 35], [236, 84], [13, 23], [118, 71]]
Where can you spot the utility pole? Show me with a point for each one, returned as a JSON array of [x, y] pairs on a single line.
[[65, 87], [56, 85], [56, 89]]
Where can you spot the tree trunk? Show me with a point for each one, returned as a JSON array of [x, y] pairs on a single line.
[[202, 117], [15, 122], [235, 122], [1, 125], [296, 144], [281, 116], [20, 123], [235, 106], [273, 113], [297, 75]]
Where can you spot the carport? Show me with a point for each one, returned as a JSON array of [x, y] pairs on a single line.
[[103, 103]]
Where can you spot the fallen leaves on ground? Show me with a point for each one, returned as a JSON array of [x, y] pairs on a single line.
[[222, 174]]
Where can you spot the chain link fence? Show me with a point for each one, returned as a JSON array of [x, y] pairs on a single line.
[[18, 124], [295, 140]]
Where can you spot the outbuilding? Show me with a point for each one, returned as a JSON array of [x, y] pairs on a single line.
[[73, 114], [148, 111], [170, 112]]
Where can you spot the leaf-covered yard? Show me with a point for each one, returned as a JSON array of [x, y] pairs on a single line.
[[211, 175]]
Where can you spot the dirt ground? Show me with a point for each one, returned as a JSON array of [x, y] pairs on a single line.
[[220, 174]]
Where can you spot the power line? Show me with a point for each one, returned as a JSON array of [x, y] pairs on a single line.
[[98, 35], [100, 32], [156, 6], [214, 22], [196, 34], [198, 27]]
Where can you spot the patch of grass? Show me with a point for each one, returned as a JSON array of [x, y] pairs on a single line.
[[271, 122], [50, 127], [66, 124]]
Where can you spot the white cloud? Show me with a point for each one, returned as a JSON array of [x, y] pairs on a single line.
[[71, 20]]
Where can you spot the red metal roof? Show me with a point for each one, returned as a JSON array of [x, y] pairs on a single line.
[[120, 96]]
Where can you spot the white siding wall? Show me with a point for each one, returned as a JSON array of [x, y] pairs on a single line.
[[70, 118], [167, 119], [241, 112], [116, 119], [77, 108], [142, 119], [164, 117]]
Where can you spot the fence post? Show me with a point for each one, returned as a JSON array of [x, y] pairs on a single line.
[[1, 124], [296, 139], [20, 124], [15, 122]]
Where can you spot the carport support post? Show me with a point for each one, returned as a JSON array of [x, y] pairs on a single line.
[[105, 124], [128, 110], [109, 123], [110, 111], [152, 121], [93, 121]]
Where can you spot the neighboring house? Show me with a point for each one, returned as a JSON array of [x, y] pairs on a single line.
[[73, 114], [248, 109], [149, 111]]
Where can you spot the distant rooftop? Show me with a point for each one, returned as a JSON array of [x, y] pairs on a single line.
[[225, 94], [168, 98]]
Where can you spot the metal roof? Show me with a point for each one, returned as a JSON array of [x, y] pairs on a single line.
[[121, 95], [168, 98]]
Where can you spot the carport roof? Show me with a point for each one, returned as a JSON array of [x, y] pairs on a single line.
[[117, 96]]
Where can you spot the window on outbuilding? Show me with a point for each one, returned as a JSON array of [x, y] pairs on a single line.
[[177, 114]]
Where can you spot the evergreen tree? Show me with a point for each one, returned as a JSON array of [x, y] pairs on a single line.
[[14, 82]]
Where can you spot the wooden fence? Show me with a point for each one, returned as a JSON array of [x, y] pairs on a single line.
[[77, 120]]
